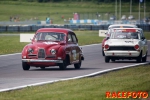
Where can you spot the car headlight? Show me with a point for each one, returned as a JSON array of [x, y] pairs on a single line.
[[53, 51], [30, 50]]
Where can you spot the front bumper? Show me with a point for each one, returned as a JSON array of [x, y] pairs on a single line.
[[42, 60], [122, 53]]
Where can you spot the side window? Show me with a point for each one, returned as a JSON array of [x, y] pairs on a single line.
[[141, 34], [74, 38], [69, 38]]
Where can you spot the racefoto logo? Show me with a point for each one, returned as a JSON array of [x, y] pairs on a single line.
[[128, 94]]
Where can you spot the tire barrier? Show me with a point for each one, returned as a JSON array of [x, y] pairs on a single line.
[[3, 28], [33, 28], [12, 28], [36, 27], [25, 28]]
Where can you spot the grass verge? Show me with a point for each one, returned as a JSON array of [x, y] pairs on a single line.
[[95, 88], [11, 44]]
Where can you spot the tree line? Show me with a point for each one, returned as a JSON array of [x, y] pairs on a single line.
[[105, 1]]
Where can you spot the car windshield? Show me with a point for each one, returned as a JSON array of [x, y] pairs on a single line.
[[120, 34], [49, 36]]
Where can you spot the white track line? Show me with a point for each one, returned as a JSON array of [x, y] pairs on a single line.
[[9, 54], [89, 75]]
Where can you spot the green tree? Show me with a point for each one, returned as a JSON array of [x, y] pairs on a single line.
[[40, 0]]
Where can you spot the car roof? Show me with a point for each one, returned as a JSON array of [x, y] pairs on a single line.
[[121, 25], [129, 29], [63, 30]]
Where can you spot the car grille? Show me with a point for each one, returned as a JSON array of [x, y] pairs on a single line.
[[121, 48], [41, 53]]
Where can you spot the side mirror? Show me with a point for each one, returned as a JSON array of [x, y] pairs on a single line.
[[31, 38], [107, 38], [106, 33], [143, 38]]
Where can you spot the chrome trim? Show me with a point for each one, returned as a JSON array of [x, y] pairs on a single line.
[[39, 60]]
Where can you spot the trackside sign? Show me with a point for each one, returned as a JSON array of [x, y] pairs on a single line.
[[102, 33], [26, 37]]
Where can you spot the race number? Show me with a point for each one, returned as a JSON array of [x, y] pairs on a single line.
[[74, 54]]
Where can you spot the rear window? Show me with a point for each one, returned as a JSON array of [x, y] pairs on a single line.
[[123, 27], [125, 34]]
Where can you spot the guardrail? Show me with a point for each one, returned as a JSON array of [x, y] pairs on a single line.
[[33, 28]]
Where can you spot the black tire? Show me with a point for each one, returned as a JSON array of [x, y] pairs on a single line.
[[78, 65], [25, 66], [139, 58], [107, 59], [103, 52], [144, 59], [113, 60], [42, 67], [62, 66]]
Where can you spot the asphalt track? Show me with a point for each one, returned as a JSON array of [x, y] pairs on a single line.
[[12, 75]]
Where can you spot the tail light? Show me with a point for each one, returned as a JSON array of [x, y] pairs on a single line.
[[106, 47], [136, 47]]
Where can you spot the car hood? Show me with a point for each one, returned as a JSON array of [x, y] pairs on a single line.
[[122, 42], [45, 45]]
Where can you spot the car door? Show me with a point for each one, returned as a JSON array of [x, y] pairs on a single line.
[[70, 46], [75, 49], [144, 43]]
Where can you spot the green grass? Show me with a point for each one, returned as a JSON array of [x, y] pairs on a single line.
[[88, 10], [88, 37], [130, 79], [10, 44]]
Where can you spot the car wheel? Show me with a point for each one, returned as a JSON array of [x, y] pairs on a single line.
[[107, 59], [139, 58], [144, 58], [103, 52], [25, 66], [113, 60], [62, 66], [42, 67], [78, 65]]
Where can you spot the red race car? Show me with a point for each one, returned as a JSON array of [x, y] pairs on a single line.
[[52, 47]]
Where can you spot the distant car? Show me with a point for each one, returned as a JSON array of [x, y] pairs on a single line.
[[126, 43], [115, 26], [52, 47]]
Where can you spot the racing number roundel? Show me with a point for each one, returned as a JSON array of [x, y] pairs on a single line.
[[74, 54]]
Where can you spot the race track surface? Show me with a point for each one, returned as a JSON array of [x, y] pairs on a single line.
[[12, 74]]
